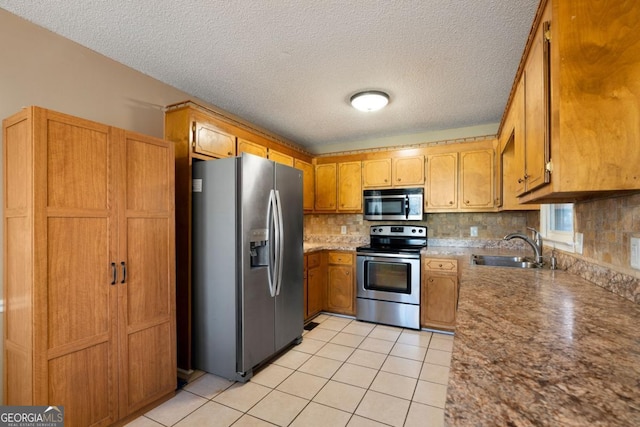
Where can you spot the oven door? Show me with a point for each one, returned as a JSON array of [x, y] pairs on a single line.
[[388, 277]]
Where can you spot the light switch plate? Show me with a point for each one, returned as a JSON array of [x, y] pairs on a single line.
[[578, 243], [634, 253], [343, 229], [473, 231]]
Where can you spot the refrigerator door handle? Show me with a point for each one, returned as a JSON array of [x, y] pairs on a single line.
[[280, 239], [271, 273]]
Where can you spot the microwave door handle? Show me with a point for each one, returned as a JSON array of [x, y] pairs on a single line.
[[406, 207]]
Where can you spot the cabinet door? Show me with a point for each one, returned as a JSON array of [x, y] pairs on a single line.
[[408, 171], [340, 289], [326, 187], [442, 181], [476, 179], [536, 113], [147, 287], [376, 173], [315, 294], [245, 146], [279, 157], [76, 353], [439, 299], [517, 176], [308, 194], [350, 186], [212, 141]]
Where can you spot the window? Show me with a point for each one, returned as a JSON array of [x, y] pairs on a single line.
[[556, 225]]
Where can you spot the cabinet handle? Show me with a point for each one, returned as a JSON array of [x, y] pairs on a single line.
[[520, 180], [124, 272], [114, 272]]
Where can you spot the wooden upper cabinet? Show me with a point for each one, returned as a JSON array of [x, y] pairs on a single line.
[[245, 146], [326, 187], [308, 183], [442, 181], [376, 173], [210, 140], [279, 157], [408, 171], [464, 180], [536, 113], [476, 179], [397, 172], [350, 186], [581, 96]]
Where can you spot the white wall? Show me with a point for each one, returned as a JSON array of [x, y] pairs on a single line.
[[40, 68]]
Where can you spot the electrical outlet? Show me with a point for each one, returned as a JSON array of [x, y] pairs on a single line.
[[343, 229], [634, 254], [473, 231], [578, 243]]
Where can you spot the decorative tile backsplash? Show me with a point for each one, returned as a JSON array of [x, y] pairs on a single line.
[[492, 225], [607, 226]]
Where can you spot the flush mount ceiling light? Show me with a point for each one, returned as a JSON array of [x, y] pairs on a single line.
[[370, 100]]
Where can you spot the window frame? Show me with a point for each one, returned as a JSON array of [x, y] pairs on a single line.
[[563, 240]]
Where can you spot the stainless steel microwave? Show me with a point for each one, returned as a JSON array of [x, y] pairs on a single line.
[[393, 204]]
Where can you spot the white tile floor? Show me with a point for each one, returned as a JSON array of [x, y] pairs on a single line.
[[344, 373]]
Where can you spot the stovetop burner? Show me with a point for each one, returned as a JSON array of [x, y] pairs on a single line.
[[396, 239]]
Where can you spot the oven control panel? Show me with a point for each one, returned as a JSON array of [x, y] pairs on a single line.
[[398, 230]]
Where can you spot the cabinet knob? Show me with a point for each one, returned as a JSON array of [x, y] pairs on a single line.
[[451, 202], [431, 280], [229, 153], [347, 273], [526, 176], [520, 180], [440, 265], [399, 180], [466, 202]]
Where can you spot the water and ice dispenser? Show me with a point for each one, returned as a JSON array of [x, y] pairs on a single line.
[[259, 247]]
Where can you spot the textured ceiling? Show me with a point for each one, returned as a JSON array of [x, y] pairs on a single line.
[[291, 66]]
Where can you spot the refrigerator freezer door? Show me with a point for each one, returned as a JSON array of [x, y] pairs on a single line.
[[256, 305], [289, 319]]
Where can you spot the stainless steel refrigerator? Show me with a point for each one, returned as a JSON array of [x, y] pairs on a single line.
[[247, 294]]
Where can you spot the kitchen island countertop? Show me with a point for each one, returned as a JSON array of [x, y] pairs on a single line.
[[540, 347]]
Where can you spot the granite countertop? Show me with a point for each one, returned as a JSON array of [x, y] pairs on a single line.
[[541, 347], [313, 247]]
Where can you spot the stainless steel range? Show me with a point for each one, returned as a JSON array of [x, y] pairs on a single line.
[[388, 275]]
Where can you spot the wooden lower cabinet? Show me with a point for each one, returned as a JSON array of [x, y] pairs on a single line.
[[314, 285], [89, 273], [340, 283], [439, 293]]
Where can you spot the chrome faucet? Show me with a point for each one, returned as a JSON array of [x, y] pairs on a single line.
[[535, 243]]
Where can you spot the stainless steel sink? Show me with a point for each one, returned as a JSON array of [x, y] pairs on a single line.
[[504, 261]]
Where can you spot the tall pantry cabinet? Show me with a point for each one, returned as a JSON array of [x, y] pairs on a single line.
[[89, 267]]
